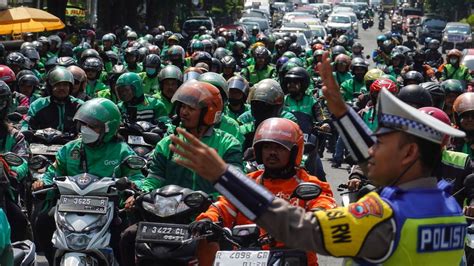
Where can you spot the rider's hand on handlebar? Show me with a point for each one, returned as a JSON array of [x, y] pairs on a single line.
[[325, 127], [203, 227], [37, 185], [130, 202], [353, 184]]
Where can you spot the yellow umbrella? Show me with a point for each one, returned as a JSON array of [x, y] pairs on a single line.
[[26, 19]]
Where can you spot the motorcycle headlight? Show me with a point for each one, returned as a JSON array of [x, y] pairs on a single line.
[[97, 225], [62, 223], [77, 241], [163, 206], [469, 38], [445, 38]]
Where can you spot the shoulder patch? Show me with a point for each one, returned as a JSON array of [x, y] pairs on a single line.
[[75, 154], [370, 206]]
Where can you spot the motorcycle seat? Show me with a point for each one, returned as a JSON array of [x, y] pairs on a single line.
[[22, 252], [18, 256]]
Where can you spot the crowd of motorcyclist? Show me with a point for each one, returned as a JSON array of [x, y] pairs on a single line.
[[255, 99]]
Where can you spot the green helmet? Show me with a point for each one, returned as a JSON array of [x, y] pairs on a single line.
[[100, 113], [289, 54], [131, 79], [452, 86], [218, 81], [318, 52], [60, 74], [171, 72]]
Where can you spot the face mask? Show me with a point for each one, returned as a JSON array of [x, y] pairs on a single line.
[[88, 135], [236, 102], [453, 61], [150, 71]]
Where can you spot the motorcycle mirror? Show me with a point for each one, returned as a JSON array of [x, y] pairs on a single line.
[[367, 57], [195, 199], [15, 117], [306, 191], [37, 162], [22, 110], [12, 159], [134, 162]]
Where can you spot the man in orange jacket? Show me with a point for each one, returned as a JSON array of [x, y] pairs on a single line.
[[278, 144]]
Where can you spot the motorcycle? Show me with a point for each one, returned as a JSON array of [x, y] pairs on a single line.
[[381, 25], [142, 136], [24, 252], [84, 213], [365, 24], [248, 242], [371, 22], [47, 142], [162, 235], [351, 196]]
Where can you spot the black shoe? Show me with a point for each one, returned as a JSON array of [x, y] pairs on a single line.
[[336, 165]]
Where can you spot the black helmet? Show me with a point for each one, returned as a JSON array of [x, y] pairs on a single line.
[[221, 42], [201, 56], [88, 53], [5, 97], [66, 61], [280, 43], [152, 60], [433, 44], [295, 48], [93, 63], [29, 80], [16, 58], [298, 74], [216, 65], [31, 54], [117, 71], [410, 35], [159, 40], [229, 61], [261, 51], [2, 50], [419, 55], [359, 62], [238, 83], [416, 96], [437, 93], [412, 76], [358, 45], [220, 52], [387, 46], [337, 50]]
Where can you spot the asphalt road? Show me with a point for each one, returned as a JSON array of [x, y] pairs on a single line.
[[334, 176]]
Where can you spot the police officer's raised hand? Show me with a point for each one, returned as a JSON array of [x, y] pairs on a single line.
[[197, 156], [331, 91], [37, 185]]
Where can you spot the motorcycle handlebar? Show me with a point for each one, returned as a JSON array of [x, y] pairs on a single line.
[[45, 189]]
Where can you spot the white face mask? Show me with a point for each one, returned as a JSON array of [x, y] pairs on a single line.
[[88, 135]]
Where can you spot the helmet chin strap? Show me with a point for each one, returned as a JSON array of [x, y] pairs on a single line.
[[395, 181]]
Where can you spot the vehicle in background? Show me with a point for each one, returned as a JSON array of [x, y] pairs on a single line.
[[263, 23], [388, 5], [292, 15], [411, 11], [323, 10], [248, 25], [354, 21], [410, 23], [456, 35], [342, 9], [468, 61], [431, 26], [318, 31], [233, 28], [297, 27], [341, 21], [191, 26]]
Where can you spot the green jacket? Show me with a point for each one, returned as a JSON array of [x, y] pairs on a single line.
[[137, 70], [341, 77], [93, 87], [370, 118], [254, 76], [100, 161], [351, 86], [460, 73], [230, 126], [247, 117], [149, 110], [235, 115], [150, 85], [108, 95], [164, 170], [6, 256], [168, 104]]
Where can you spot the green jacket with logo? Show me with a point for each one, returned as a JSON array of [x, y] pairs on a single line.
[[100, 161], [93, 88], [351, 86], [254, 76], [165, 171]]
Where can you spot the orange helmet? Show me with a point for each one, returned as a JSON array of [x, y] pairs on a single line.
[[463, 103], [281, 131], [318, 46], [201, 95], [454, 52], [343, 59]]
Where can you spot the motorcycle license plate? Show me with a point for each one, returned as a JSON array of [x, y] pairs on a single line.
[[237, 258], [161, 232], [455, 38], [80, 204], [136, 140]]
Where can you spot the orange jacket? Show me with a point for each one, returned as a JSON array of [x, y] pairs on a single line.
[[225, 212]]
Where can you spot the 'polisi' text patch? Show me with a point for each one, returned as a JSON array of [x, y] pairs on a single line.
[[439, 237]]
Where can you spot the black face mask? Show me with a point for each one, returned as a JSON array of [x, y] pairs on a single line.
[[236, 102], [264, 111]]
